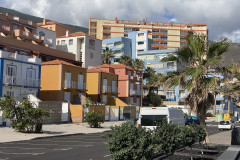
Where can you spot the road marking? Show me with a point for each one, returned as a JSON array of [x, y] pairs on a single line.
[[62, 149], [63, 141], [22, 148], [80, 145], [34, 154]]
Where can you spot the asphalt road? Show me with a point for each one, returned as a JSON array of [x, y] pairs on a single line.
[[74, 147]]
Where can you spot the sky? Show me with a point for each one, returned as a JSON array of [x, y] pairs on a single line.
[[221, 16]]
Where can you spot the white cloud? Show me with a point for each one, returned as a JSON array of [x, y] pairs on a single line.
[[234, 36], [221, 16]]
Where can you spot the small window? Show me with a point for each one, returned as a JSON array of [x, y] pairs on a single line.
[[93, 31], [154, 31], [15, 27], [164, 43], [63, 42], [140, 43], [140, 34], [70, 42], [135, 29], [182, 44], [125, 35], [164, 37], [182, 38], [10, 93], [127, 29], [58, 42], [183, 32], [140, 50], [155, 36], [155, 42], [164, 31]]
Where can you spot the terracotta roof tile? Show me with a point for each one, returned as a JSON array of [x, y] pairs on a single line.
[[57, 62], [94, 70], [115, 66], [52, 22], [75, 34]]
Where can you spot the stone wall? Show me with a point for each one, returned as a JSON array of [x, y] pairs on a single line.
[[129, 112]]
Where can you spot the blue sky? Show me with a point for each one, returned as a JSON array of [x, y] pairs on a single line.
[[221, 16]]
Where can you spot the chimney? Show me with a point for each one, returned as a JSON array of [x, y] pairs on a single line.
[[116, 20], [67, 33], [44, 21]]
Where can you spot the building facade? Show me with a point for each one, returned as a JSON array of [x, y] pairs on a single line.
[[164, 35], [88, 50], [129, 83], [120, 46], [20, 75], [49, 36], [63, 81], [102, 86]]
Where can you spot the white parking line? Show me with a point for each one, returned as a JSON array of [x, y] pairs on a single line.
[[107, 155], [34, 154], [21, 148]]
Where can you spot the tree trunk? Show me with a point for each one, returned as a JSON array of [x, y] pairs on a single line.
[[215, 105], [229, 98], [202, 117]]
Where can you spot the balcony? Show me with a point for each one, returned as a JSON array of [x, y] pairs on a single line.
[[69, 84], [10, 80], [32, 83], [114, 90], [5, 29], [82, 86], [132, 92], [106, 89], [138, 93], [28, 35]]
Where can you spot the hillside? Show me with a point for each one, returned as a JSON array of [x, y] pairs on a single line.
[[39, 19]]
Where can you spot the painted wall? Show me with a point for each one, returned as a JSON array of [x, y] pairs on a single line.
[[49, 36]]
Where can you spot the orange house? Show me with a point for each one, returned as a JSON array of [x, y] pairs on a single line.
[[129, 83], [102, 86], [63, 81]]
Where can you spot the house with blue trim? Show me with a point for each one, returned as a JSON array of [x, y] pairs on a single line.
[[20, 75]]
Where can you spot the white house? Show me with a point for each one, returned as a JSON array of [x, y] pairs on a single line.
[[20, 75], [49, 36], [87, 49]]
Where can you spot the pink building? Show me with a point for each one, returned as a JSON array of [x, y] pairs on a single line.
[[129, 83]]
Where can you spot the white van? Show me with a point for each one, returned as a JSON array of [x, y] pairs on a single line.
[[150, 116]]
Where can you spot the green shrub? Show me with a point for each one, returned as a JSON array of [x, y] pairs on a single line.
[[129, 142], [200, 132], [209, 114], [185, 114], [167, 137], [94, 119], [23, 117]]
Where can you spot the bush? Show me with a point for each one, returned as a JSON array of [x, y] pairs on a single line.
[[209, 114], [23, 117], [94, 119], [155, 99], [129, 142]]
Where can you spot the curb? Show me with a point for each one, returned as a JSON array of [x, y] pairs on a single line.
[[232, 153]]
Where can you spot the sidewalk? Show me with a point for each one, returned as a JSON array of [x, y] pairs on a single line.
[[222, 138], [9, 135]]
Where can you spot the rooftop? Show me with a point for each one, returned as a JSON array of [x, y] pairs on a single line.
[[115, 66], [58, 62], [97, 70], [76, 34]]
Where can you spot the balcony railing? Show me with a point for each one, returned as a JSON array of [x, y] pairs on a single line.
[[10, 80], [114, 90], [132, 92], [106, 89], [32, 82], [82, 86], [138, 93], [6, 28], [69, 84]]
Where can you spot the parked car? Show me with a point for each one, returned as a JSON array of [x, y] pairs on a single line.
[[150, 116], [226, 124], [191, 119]]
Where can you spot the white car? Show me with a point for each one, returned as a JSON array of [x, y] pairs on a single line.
[[226, 124]]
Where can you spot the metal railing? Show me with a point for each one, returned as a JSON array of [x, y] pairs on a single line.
[[82, 86], [132, 92], [32, 82], [6, 28], [10, 80], [69, 84]]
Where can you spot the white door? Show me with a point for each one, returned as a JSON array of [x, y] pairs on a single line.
[[115, 114], [67, 80], [64, 117], [107, 113], [80, 81], [121, 113]]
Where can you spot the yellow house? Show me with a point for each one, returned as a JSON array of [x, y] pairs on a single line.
[[63, 81], [102, 86]]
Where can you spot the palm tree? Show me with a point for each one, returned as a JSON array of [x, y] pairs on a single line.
[[107, 56], [138, 64], [199, 58], [126, 60]]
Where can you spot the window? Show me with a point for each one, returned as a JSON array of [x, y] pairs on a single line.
[[58, 42], [92, 30], [10, 93], [118, 52], [151, 120], [118, 44], [91, 55], [70, 42], [182, 38], [182, 44], [108, 35], [164, 37], [170, 65], [164, 43], [67, 82], [104, 85], [114, 89], [183, 32], [110, 45], [170, 94], [140, 50], [138, 102], [127, 29], [11, 71], [135, 29], [93, 24], [0, 21], [140, 43], [182, 94], [164, 31], [125, 35], [63, 42], [155, 42], [131, 99], [104, 98], [129, 73], [92, 44], [67, 96], [107, 28], [154, 31], [155, 36], [31, 76], [140, 34], [80, 81], [15, 26]]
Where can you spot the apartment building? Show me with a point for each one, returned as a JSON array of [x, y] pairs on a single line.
[[21, 36], [164, 35], [120, 46], [102, 86], [49, 37], [129, 83], [20, 75], [86, 49], [56, 27], [63, 81]]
